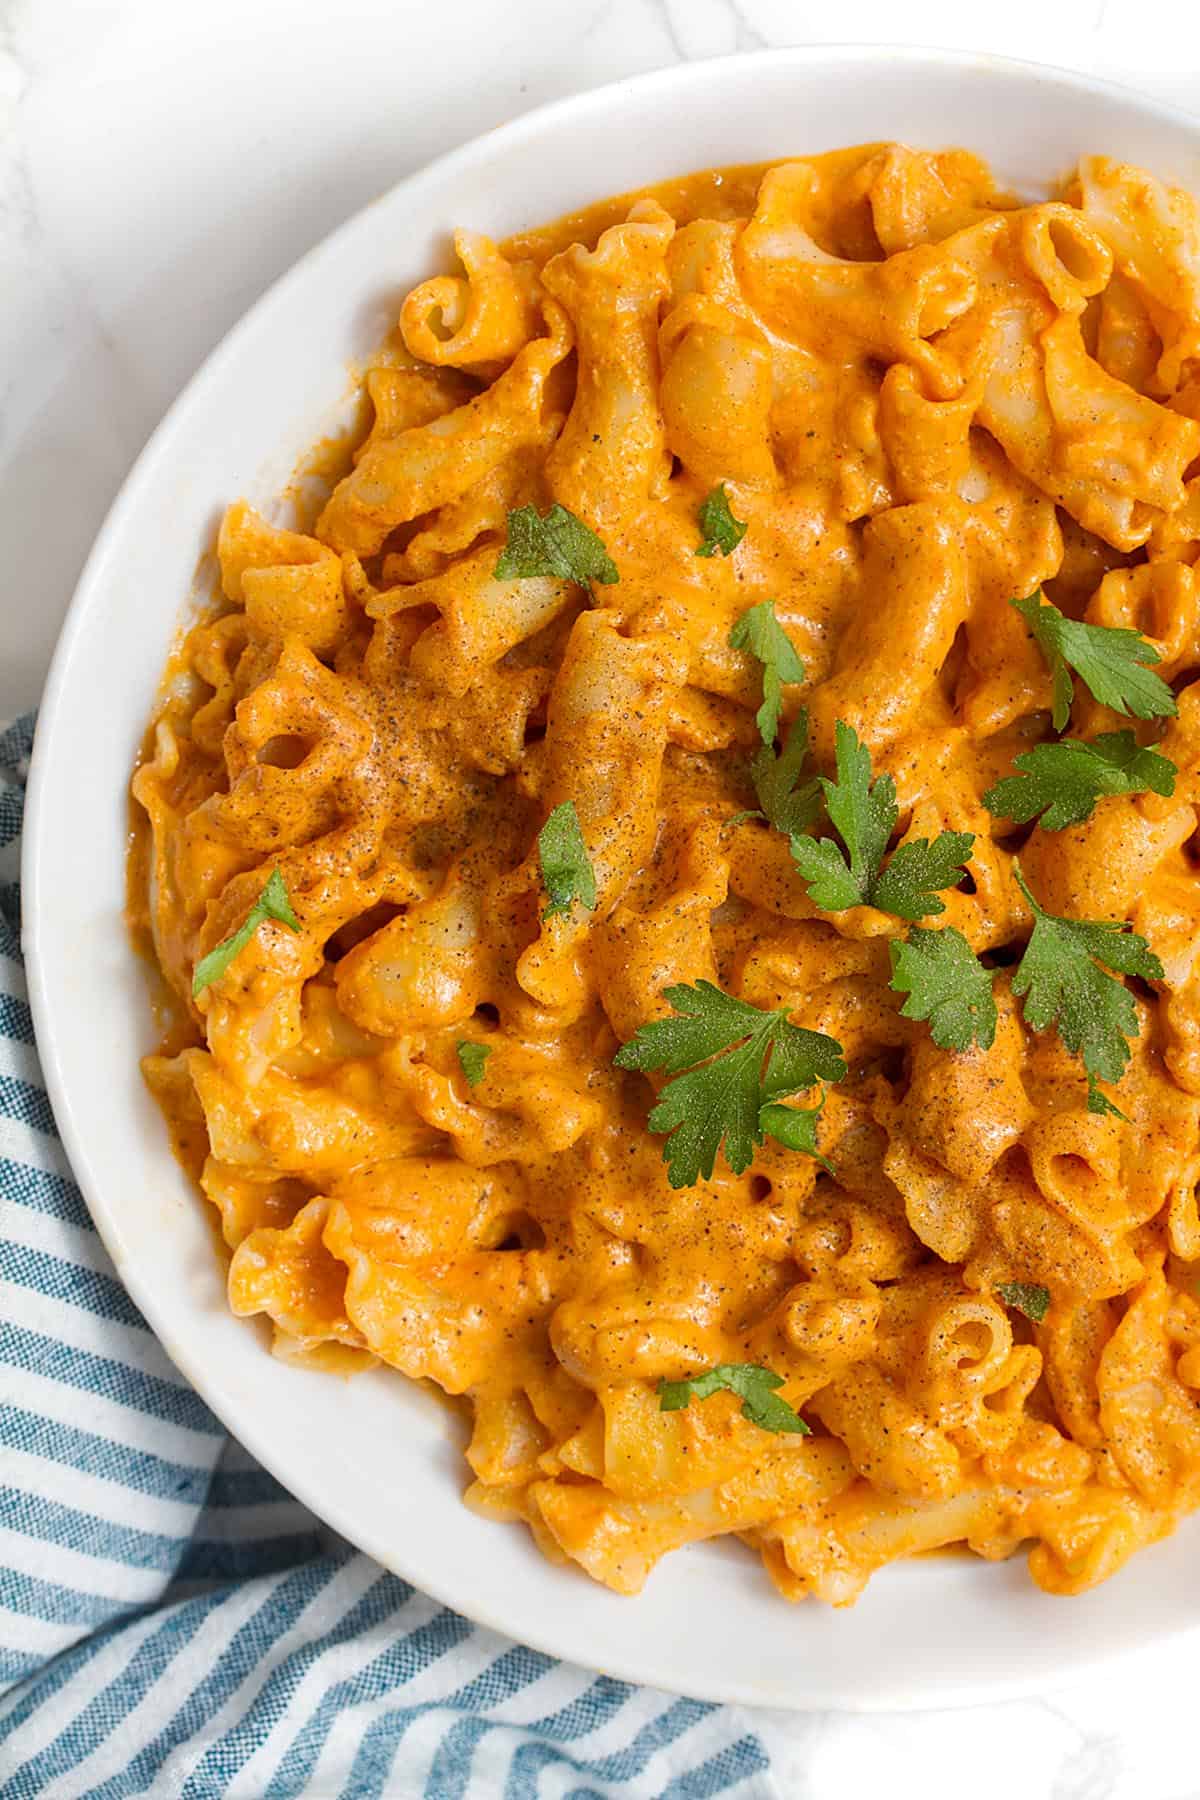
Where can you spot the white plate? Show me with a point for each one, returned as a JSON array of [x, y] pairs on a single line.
[[378, 1458]]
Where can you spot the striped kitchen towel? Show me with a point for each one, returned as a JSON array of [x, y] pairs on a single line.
[[173, 1623]]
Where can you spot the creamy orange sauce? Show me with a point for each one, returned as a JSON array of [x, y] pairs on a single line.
[[923, 401]]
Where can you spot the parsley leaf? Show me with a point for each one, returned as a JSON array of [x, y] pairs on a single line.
[[272, 903], [473, 1057], [864, 815], [787, 803], [1098, 1102], [754, 1385], [795, 1127], [1062, 973], [567, 873], [918, 871], [831, 885], [947, 984], [740, 1062], [721, 530], [1063, 781], [560, 544], [759, 632], [1110, 659], [1028, 1297]]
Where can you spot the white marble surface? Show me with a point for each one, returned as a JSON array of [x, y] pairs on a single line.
[[160, 163]]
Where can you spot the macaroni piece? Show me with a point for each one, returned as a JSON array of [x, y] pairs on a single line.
[[918, 401]]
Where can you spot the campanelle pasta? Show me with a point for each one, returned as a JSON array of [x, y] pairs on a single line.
[[436, 820]]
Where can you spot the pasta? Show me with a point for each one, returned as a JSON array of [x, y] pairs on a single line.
[[758, 632]]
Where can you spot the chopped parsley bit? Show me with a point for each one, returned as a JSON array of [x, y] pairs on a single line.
[[721, 530], [1027, 1297], [473, 1058], [864, 815], [740, 1062], [760, 634], [1111, 660], [272, 903], [754, 1385], [1062, 973], [567, 873], [787, 803], [795, 1127], [560, 545], [947, 984], [1063, 781]]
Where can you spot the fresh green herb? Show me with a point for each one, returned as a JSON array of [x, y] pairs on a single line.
[[473, 1058], [755, 1387], [272, 903], [1027, 1296], [1098, 1102], [1063, 781], [721, 530], [560, 544], [759, 633], [864, 815], [786, 802], [918, 871], [795, 1127], [947, 984], [1062, 973], [1111, 660], [740, 1062], [567, 873]]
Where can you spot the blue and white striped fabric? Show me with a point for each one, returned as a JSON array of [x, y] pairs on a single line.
[[172, 1622]]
